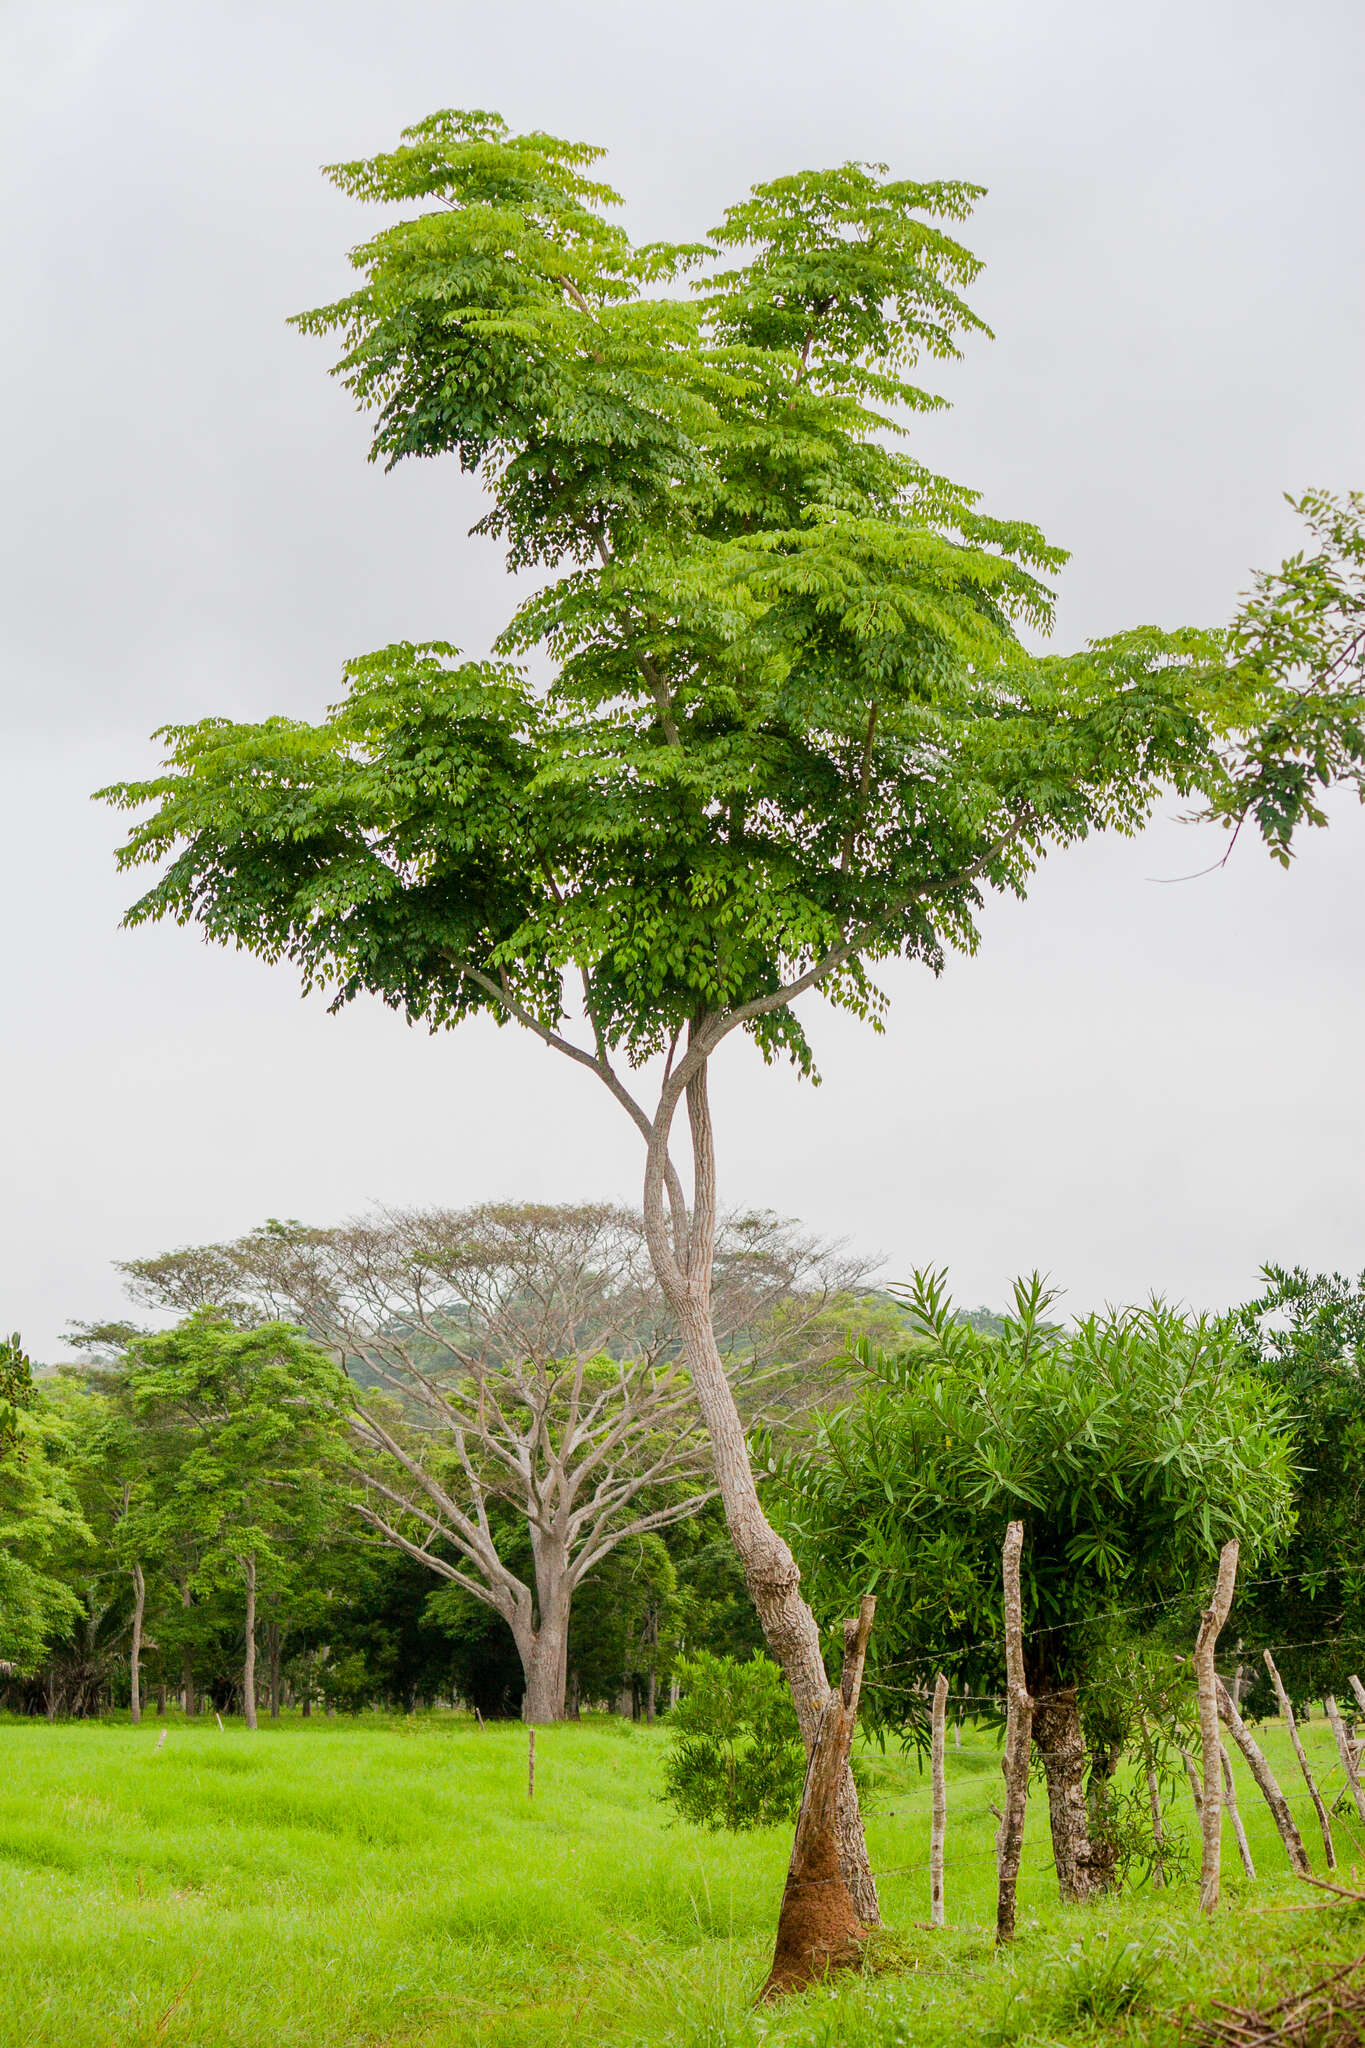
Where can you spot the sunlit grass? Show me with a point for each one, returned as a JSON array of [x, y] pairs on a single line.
[[388, 1882]]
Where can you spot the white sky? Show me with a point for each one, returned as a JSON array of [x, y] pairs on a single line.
[[1137, 1087]]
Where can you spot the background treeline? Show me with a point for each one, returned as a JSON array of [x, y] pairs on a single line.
[[448, 1456], [428, 1456]]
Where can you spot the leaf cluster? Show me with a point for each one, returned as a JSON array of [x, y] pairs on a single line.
[[735, 1758], [1131, 1445], [788, 727]]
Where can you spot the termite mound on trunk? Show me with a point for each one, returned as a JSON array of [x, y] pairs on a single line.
[[818, 1929]]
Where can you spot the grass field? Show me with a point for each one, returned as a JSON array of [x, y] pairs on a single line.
[[379, 1881]]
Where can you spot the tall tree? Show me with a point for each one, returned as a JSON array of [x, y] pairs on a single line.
[[537, 1388], [260, 1414], [789, 730]]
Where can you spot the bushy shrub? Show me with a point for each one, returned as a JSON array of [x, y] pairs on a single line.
[[735, 1759]]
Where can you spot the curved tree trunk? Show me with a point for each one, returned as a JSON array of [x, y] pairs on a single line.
[[249, 1665], [773, 1578], [135, 1654]]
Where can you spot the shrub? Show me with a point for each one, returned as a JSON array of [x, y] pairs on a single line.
[[736, 1759]]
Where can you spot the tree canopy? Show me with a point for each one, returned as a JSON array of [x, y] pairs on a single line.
[[1131, 1446], [789, 727]]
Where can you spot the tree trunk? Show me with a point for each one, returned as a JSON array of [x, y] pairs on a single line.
[[939, 1823], [161, 1700], [186, 1660], [1060, 1743], [818, 1929], [1018, 1740], [135, 1654], [1211, 1818], [272, 1642], [1313, 1793], [1267, 1784], [545, 1660], [774, 1580], [249, 1665]]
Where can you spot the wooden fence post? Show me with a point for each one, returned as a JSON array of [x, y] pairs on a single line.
[[1287, 1710], [1192, 1773], [1265, 1779], [1234, 1815], [1018, 1738], [1206, 1680], [1154, 1800], [940, 1819], [1345, 1752]]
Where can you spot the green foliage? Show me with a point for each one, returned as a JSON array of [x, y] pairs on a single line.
[[789, 729], [16, 1392], [735, 1759], [1304, 621], [1132, 1446], [1306, 1334], [1097, 1979], [257, 1419]]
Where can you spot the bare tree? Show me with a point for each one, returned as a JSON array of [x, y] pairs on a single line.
[[518, 1371]]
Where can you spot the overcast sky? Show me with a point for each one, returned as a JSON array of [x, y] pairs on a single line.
[[1141, 1083]]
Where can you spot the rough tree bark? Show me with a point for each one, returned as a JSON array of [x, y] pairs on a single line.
[[1286, 1708], [818, 1929], [1060, 1743], [1234, 1812], [1345, 1752], [543, 1646], [249, 1662], [940, 1817], [135, 1652], [1018, 1739], [1267, 1783], [1206, 1679]]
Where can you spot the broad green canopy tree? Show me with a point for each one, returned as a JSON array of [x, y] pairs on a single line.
[[1306, 1334], [766, 719], [262, 1417], [1131, 1446]]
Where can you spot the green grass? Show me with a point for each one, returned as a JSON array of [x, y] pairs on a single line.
[[388, 1882]]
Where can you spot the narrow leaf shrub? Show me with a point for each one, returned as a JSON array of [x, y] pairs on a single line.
[[735, 1759]]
